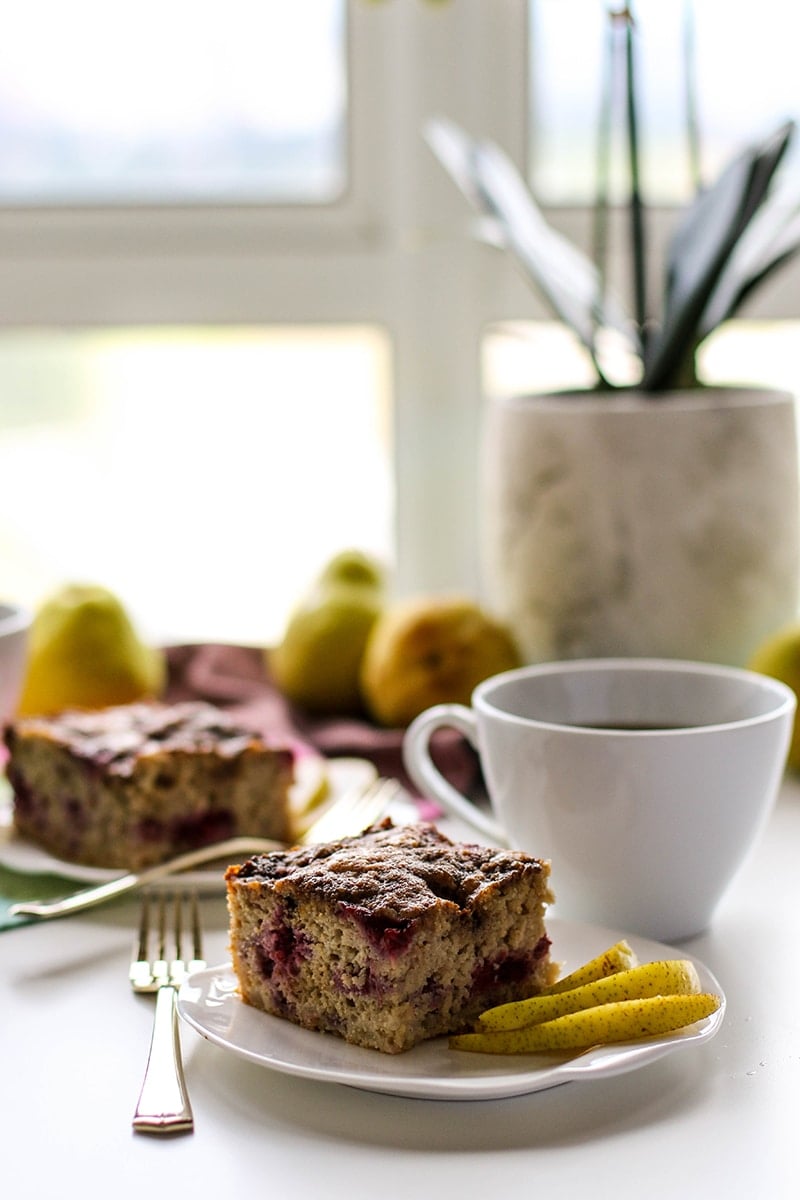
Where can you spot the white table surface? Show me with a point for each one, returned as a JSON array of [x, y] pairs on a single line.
[[718, 1119]]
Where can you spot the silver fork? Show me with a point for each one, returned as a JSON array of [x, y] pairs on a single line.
[[345, 814], [160, 965], [351, 813]]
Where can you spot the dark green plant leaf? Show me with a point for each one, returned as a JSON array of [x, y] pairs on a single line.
[[729, 240], [699, 250], [636, 202], [772, 239]]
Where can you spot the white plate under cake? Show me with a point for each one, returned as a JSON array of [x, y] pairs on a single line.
[[209, 1003]]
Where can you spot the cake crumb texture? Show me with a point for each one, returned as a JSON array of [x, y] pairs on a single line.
[[391, 937]]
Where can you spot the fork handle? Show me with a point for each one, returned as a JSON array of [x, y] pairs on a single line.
[[163, 1105]]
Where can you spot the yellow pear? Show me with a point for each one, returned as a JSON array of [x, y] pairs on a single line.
[[779, 657], [317, 663], [431, 650], [85, 653]]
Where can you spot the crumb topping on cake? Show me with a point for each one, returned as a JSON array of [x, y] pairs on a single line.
[[117, 737], [417, 869]]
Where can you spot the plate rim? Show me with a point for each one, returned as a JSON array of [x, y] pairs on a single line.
[[489, 1078]]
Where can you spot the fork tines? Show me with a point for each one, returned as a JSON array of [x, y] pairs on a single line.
[[159, 960], [352, 812]]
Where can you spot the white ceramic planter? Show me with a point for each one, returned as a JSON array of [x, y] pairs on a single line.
[[623, 524]]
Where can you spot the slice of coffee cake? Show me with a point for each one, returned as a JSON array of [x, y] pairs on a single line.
[[130, 786], [391, 937]]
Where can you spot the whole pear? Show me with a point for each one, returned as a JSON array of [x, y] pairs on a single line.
[[85, 653], [430, 650], [317, 663], [779, 657]]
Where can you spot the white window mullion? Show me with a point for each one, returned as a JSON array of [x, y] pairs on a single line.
[[465, 60]]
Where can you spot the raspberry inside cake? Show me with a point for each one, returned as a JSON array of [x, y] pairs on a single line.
[[389, 938], [131, 785]]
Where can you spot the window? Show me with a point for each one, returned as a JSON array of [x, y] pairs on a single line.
[[194, 409], [339, 313]]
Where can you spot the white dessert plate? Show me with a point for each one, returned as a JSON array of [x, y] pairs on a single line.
[[317, 779], [431, 1071]]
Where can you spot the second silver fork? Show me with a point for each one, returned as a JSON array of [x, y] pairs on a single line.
[[351, 813], [166, 953]]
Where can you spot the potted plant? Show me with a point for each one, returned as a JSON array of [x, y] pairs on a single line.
[[659, 518]]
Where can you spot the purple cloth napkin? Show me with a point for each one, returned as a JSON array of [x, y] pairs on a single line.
[[236, 678]]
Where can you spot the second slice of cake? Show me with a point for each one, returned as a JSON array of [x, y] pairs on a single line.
[[391, 937], [132, 785]]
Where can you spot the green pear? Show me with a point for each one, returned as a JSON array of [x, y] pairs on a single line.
[[352, 567], [85, 653], [779, 657], [317, 664]]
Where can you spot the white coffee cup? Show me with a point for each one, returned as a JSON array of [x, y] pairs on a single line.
[[646, 782]]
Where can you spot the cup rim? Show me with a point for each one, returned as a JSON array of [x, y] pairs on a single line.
[[785, 699]]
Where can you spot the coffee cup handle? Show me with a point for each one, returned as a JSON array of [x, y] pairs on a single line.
[[430, 781]]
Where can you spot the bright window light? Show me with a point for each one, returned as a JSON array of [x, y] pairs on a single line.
[[205, 476], [192, 101], [539, 356]]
